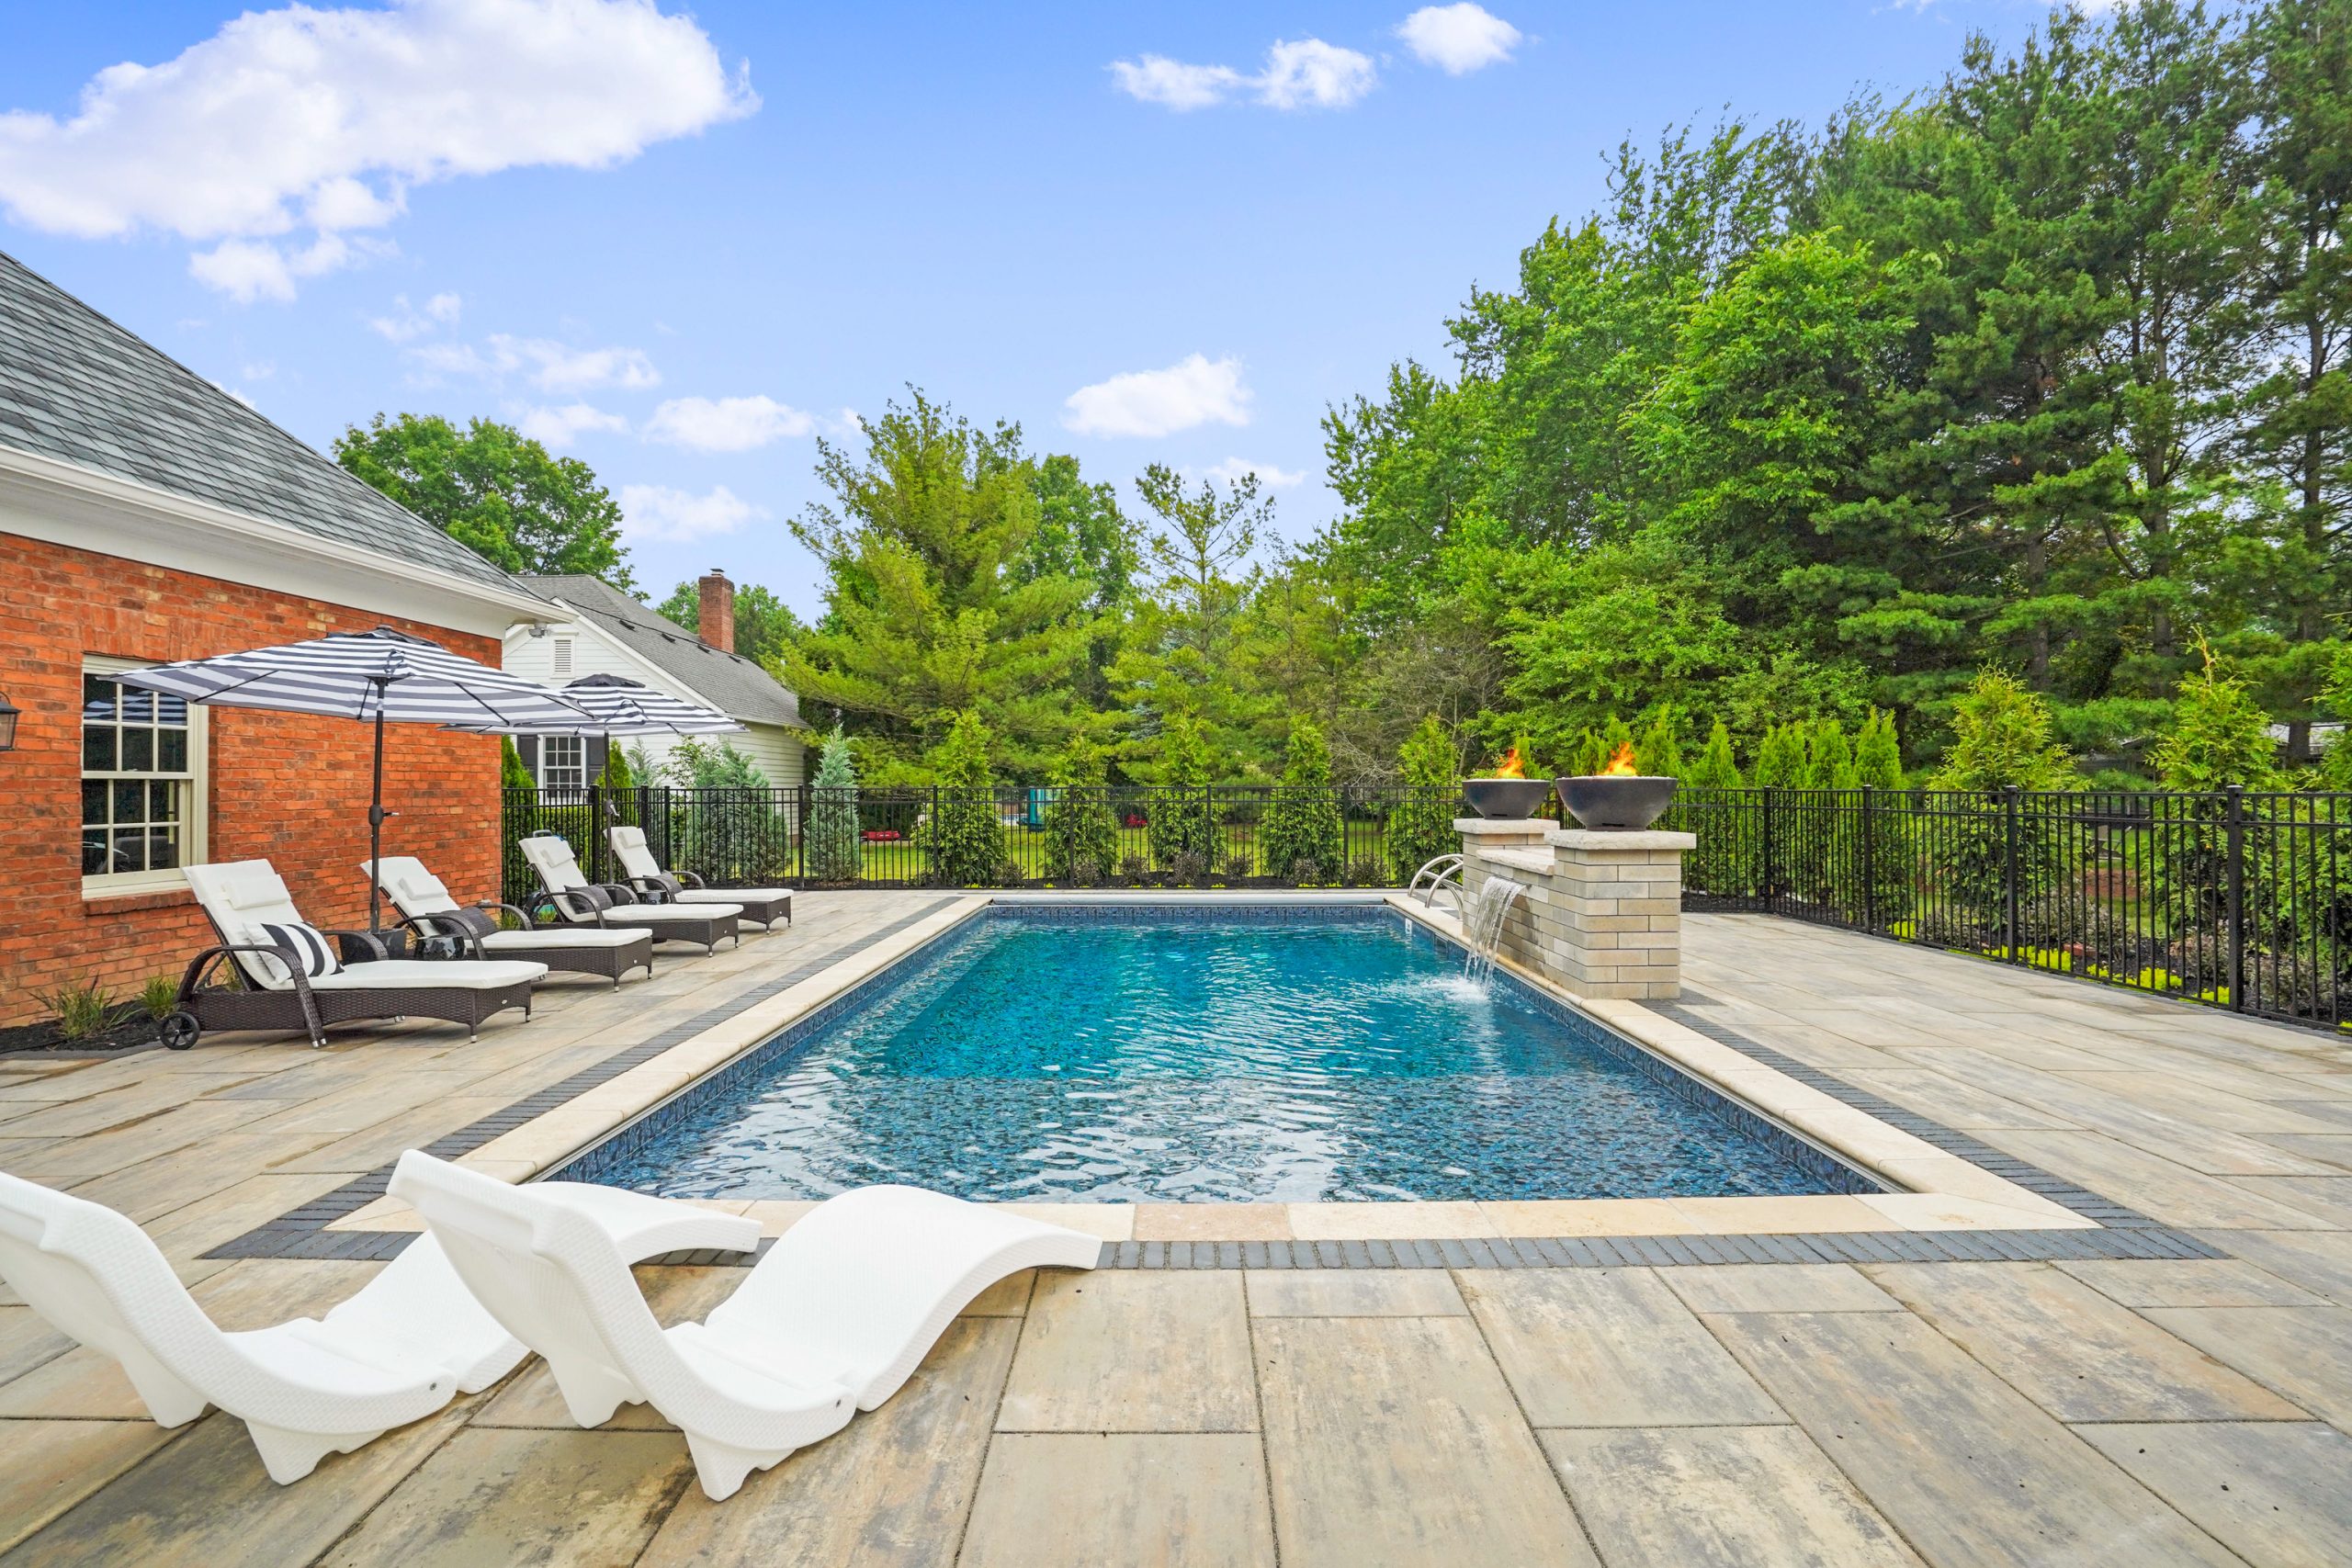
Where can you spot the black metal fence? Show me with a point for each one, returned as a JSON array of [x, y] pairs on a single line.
[[2236, 899], [1133, 836]]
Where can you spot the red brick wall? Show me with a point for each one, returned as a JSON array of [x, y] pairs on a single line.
[[290, 789]]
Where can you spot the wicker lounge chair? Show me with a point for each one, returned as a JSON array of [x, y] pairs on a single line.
[[427, 908], [761, 906], [401, 1346], [833, 1320], [570, 897], [283, 987]]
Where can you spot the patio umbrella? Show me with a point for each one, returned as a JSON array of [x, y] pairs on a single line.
[[614, 705], [381, 676]]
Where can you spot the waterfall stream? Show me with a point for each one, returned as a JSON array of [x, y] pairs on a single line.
[[1482, 924]]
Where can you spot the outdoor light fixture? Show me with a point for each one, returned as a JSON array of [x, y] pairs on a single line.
[[8, 712]]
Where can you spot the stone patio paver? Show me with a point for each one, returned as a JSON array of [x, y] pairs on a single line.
[[2072, 1350], [1968, 1468], [1396, 1441], [1610, 1347], [1719, 1497], [1130, 1351], [1182, 1500], [2304, 1353], [2277, 1494]]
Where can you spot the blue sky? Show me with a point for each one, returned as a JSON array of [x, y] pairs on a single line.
[[688, 243]]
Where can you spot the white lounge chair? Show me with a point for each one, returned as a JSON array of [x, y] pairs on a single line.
[[294, 979], [761, 906], [427, 908], [832, 1320], [406, 1343], [577, 901]]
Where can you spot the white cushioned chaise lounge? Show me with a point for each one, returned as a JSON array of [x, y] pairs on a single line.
[[831, 1322], [296, 977], [427, 908], [573, 899], [400, 1347], [761, 906]]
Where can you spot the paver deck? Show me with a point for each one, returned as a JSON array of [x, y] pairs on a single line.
[[2138, 1410]]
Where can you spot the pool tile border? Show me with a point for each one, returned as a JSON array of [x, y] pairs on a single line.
[[2099, 1227]]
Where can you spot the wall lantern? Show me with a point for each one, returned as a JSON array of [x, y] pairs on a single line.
[[8, 712]]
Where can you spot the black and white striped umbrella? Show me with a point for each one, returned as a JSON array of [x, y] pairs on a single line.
[[378, 677], [614, 705]]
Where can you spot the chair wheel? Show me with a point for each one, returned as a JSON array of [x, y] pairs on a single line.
[[179, 1030]]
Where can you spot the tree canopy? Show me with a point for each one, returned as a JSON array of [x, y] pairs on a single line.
[[501, 495]]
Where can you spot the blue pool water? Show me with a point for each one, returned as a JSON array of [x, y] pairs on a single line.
[[1184, 1059]]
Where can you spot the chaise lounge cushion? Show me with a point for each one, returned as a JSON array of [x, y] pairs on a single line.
[[419, 974], [560, 871], [417, 893], [637, 859]]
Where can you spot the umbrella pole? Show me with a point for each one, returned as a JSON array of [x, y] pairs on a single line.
[[375, 826]]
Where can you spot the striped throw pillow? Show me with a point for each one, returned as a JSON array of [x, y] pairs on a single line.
[[313, 952]]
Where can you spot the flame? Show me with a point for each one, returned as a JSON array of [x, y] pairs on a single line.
[[1620, 763], [1510, 767]]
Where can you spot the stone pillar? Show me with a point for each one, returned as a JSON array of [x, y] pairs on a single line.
[[1604, 911]]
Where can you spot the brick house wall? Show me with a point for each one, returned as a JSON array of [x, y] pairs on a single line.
[[282, 786]]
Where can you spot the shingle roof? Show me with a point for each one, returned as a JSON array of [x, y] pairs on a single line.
[[734, 684], [75, 387]]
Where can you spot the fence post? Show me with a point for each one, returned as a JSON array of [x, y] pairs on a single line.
[[801, 832], [1765, 880], [1870, 878], [2234, 852], [2009, 797], [597, 870], [934, 874]]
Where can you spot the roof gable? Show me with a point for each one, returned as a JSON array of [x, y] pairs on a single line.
[[77, 388], [734, 684]]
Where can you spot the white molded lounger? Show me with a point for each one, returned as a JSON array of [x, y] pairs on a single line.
[[832, 1321], [406, 1343]]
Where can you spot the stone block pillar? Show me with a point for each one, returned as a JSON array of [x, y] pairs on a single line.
[[1604, 911]]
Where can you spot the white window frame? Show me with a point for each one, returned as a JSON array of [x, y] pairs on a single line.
[[578, 766], [196, 796]]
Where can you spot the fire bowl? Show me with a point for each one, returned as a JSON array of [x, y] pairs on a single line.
[[1615, 802], [1507, 799]]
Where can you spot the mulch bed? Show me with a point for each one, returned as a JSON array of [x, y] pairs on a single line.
[[130, 1030]]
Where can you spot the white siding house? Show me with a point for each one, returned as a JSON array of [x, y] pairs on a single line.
[[593, 628]]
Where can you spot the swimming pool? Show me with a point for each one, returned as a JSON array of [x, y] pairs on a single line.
[[1160, 1054]]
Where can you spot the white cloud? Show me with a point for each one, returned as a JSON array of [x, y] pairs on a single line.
[[246, 270], [1314, 72], [407, 320], [1458, 39], [726, 425], [1195, 390], [657, 513], [289, 128], [1156, 79], [1309, 73], [557, 428], [549, 365], [1233, 469]]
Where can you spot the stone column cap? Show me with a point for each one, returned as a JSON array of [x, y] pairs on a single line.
[[1608, 838], [1530, 828]]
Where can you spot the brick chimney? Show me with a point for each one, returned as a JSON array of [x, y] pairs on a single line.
[[718, 618]]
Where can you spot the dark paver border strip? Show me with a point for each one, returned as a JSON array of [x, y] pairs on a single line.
[[2123, 1233]]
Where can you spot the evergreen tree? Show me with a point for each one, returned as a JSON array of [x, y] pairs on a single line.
[[1716, 767], [966, 836], [1780, 758], [1614, 734], [2002, 735], [1302, 827], [1658, 752], [1724, 861], [1878, 753], [833, 850], [1082, 832], [1181, 820], [512, 774], [2218, 737], [1421, 826], [618, 786]]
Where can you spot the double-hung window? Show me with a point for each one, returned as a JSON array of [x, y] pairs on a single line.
[[563, 763], [142, 782]]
